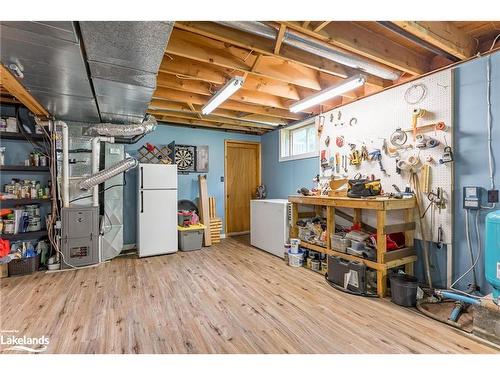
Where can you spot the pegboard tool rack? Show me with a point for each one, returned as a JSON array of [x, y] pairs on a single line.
[[381, 205]]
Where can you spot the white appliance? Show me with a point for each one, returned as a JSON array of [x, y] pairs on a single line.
[[157, 209], [269, 224]]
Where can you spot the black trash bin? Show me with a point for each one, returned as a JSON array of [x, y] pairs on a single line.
[[404, 289]]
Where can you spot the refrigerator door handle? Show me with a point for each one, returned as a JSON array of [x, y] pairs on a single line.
[[142, 177], [142, 202]]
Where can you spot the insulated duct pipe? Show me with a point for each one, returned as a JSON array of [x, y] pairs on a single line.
[[96, 143], [313, 46], [106, 174], [122, 130]]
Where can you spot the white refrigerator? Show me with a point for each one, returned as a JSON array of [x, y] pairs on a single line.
[[269, 224], [157, 209]]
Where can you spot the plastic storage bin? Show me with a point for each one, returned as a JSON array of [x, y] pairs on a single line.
[[24, 266], [191, 238], [404, 289], [339, 243]]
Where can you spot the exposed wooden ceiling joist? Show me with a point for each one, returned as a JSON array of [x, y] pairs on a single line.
[[262, 46], [203, 49], [442, 34], [16, 89], [208, 124], [279, 39], [185, 97], [354, 38], [211, 118], [237, 115], [321, 26]]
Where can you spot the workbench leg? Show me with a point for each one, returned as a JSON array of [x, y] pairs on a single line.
[[382, 283], [295, 217], [381, 236], [357, 217], [409, 268], [330, 225], [409, 217]]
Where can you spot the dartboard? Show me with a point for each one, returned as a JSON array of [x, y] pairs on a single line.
[[185, 158]]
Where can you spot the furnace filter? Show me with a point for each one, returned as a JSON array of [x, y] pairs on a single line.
[[492, 252]]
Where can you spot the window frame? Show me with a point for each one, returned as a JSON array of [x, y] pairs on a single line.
[[285, 137]]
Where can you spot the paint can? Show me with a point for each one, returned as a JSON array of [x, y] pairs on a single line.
[[315, 265], [324, 266], [296, 260], [34, 224], [8, 226], [294, 245]]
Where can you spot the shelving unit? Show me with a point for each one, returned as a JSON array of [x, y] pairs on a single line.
[[23, 168], [24, 236], [15, 202], [20, 137], [385, 260]]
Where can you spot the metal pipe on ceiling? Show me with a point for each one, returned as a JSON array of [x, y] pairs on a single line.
[[306, 43], [412, 38]]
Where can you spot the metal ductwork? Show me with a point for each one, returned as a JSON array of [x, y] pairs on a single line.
[[53, 64], [88, 71], [124, 58], [314, 46]]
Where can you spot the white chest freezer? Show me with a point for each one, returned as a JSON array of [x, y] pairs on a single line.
[[269, 224]]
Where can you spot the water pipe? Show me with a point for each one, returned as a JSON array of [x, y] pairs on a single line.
[[458, 297]]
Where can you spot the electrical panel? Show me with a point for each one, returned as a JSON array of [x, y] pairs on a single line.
[[472, 197], [80, 236]]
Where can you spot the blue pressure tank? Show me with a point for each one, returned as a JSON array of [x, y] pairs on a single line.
[[492, 252]]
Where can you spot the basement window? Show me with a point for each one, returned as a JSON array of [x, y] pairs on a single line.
[[299, 141]]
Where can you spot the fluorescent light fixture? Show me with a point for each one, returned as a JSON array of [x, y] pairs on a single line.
[[348, 85], [220, 96]]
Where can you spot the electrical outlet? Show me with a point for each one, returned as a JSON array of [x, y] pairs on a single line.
[[492, 196]]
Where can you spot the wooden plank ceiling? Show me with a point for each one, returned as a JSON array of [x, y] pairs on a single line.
[[202, 56]]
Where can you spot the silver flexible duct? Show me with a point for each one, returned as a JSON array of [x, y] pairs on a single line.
[[106, 174], [305, 43], [122, 130]]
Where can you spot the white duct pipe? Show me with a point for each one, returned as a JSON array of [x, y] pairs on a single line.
[[95, 169], [305, 43], [65, 162], [106, 174]]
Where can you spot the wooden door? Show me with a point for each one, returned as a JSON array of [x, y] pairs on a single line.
[[242, 176]]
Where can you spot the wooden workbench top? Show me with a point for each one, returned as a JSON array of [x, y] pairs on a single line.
[[374, 203]]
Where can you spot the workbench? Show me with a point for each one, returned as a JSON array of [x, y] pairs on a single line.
[[385, 259]]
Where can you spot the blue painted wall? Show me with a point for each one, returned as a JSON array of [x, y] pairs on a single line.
[[283, 179], [188, 184], [471, 167]]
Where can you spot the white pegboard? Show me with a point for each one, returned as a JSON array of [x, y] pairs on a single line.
[[378, 116]]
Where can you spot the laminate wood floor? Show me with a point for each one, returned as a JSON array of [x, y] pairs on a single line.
[[230, 298]]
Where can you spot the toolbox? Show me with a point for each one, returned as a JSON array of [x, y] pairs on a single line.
[[338, 268]]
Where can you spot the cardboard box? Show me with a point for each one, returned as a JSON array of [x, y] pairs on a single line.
[[4, 271]]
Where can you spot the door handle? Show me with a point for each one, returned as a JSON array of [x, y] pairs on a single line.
[[142, 177], [142, 201]]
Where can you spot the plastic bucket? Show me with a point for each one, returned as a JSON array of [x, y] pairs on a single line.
[[296, 260], [404, 290], [294, 245]]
